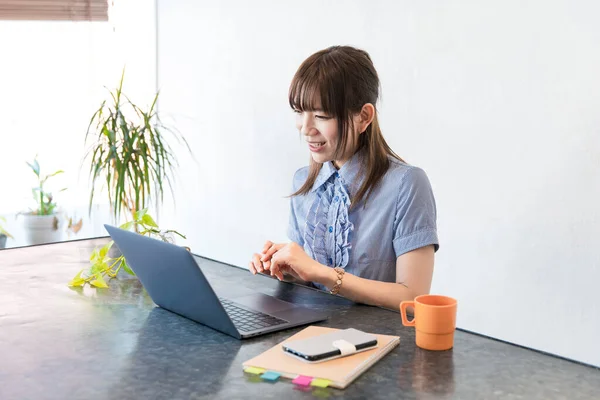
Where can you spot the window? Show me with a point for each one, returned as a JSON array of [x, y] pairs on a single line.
[[54, 10]]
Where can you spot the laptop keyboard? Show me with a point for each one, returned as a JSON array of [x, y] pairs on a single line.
[[245, 320]]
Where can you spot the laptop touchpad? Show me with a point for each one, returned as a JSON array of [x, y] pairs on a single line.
[[263, 302]]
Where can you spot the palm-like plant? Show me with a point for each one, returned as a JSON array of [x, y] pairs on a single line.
[[130, 154]]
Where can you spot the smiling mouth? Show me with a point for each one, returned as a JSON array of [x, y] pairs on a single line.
[[316, 144]]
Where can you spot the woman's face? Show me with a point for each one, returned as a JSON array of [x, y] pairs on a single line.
[[320, 132]]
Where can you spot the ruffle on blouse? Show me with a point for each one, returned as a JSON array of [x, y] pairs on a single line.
[[329, 243]]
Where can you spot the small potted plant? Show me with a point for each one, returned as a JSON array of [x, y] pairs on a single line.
[[42, 224], [3, 233]]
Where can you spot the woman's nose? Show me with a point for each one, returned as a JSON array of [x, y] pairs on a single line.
[[305, 124]]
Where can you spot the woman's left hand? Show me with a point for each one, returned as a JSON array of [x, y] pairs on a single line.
[[292, 259]]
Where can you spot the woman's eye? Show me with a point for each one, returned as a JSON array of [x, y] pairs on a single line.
[[322, 117]]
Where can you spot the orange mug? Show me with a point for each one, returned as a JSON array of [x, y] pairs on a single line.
[[434, 321]]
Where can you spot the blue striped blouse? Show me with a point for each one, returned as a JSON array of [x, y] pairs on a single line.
[[399, 216]]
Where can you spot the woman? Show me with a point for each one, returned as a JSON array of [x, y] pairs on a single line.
[[362, 221]]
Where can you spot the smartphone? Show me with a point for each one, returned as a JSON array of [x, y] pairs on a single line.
[[321, 348]]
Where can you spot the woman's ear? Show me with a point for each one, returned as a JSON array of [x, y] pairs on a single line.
[[365, 117]]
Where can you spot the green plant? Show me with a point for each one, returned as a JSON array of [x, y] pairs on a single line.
[[101, 265], [2, 230], [44, 199], [129, 153]]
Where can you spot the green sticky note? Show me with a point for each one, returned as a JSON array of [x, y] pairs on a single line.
[[322, 383], [254, 370], [270, 376]]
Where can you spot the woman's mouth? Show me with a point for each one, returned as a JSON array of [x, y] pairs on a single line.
[[316, 146]]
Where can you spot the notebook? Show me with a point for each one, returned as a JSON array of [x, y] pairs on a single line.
[[339, 372]]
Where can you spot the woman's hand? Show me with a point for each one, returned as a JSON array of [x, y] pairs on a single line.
[[292, 259], [286, 258], [261, 261]]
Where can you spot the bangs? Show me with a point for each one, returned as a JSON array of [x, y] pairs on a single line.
[[309, 90]]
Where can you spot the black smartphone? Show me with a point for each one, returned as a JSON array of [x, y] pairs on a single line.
[[331, 345]]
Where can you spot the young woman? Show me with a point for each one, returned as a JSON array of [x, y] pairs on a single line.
[[362, 221]]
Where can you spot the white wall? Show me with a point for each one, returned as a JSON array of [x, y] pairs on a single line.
[[498, 101]]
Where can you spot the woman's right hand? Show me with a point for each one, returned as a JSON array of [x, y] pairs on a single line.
[[261, 262]]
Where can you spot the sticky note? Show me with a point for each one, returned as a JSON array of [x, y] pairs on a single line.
[[254, 370], [302, 380], [322, 383], [270, 376]]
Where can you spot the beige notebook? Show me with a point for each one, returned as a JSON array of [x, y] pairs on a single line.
[[341, 371]]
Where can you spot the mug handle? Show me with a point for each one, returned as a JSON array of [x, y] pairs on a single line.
[[405, 320]]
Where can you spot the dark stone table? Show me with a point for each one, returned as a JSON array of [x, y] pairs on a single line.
[[63, 343]]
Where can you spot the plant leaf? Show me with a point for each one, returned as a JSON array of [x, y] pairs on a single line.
[[99, 282], [140, 214], [126, 267], [127, 225], [104, 250], [77, 280], [98, 266], [146, 219], [94, 255], [35, 167]]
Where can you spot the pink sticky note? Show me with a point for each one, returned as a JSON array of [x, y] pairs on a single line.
[[302, 380]]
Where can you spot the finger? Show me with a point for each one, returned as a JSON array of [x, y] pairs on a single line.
[[251, 268], [279, 272], [267, 245], [267, 265], [269, 252], [274, 267], [257, 264]]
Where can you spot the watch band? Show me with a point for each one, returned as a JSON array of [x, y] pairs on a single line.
[[338, 283]]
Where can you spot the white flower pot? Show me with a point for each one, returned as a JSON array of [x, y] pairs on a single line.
[[2, 241], [41, 229]]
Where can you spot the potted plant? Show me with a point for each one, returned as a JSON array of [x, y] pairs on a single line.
[[42, 224], [3, 234], [130, 156], [131, 159]]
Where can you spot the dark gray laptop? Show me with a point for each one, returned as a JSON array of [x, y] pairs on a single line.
[[176, 283]]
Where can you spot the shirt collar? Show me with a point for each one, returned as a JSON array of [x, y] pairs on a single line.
[[351, 172]]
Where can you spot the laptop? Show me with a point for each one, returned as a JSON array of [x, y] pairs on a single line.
[[175, 282]]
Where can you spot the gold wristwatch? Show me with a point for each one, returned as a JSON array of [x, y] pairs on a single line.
[[338, 283]]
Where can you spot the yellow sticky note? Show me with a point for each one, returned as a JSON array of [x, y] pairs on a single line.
[[254, 370], [323, 383]]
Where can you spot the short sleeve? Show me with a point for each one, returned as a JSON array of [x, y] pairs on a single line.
[[415, 224], [293, 231]]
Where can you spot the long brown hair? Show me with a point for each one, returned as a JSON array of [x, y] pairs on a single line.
[[343, 79]]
